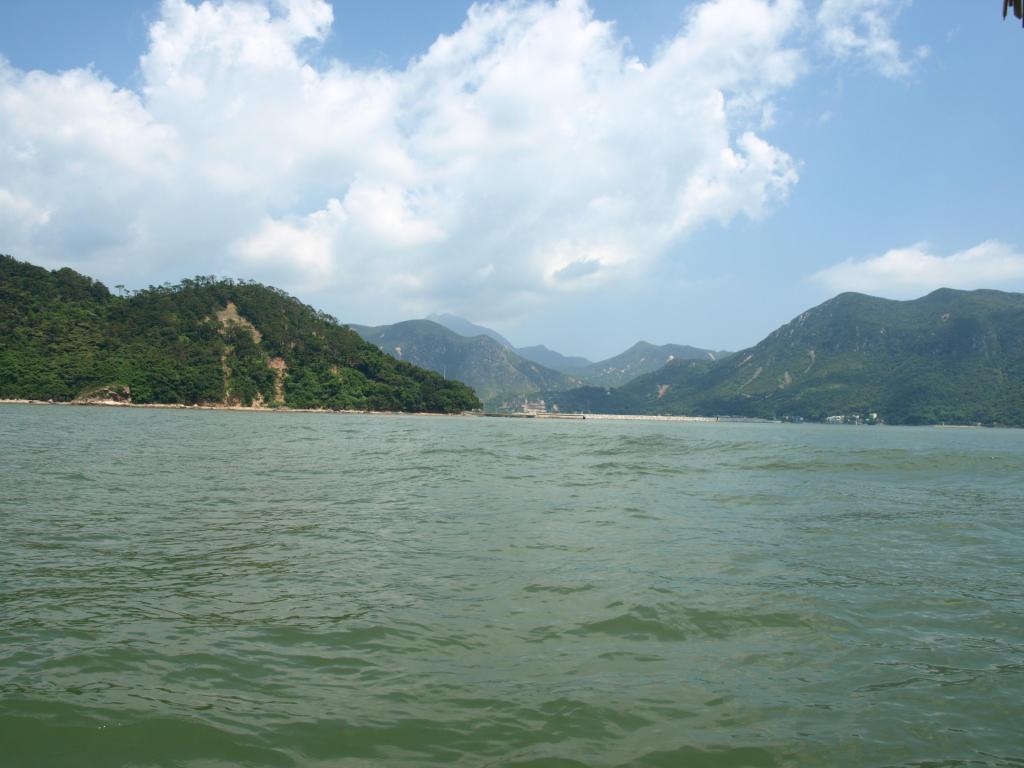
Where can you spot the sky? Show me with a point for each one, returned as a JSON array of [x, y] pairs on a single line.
[[576, 174]]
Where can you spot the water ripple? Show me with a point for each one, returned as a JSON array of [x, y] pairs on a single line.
[[220, 589]]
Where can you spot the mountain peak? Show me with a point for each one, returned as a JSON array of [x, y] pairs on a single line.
[[464, 327]]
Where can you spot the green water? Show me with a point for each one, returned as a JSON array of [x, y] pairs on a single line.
[[220, 589]]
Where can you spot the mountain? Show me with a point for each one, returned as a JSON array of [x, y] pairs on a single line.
[[464, 327], [495, 372], [639, 359], [949, 357], [539, 354], [554, 360], [64, 336]]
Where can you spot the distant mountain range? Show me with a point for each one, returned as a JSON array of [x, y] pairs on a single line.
[[639, 359], [464, 327], [950, 357], [492, 369], [487, 361], [541, 354]]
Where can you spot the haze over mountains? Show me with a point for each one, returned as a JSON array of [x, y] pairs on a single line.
[[642, 358], [492, 369], [464, 327], [485, 360], [566, 364]]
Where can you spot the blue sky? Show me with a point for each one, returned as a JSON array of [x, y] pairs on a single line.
[[578, 175]]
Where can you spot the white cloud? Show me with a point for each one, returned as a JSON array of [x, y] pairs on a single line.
[[307, 245], [19, 212], [862, 29], [524, 155], [913, 271]]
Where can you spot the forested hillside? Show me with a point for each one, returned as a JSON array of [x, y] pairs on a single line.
[[204, 340], [949, 357]]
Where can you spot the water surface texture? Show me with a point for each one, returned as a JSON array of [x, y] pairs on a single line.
[[218, 589]]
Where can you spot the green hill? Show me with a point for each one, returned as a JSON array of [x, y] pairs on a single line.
[[64, 335], [949, 357], [494, 371]]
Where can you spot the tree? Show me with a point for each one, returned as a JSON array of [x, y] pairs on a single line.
[[1018, 8]]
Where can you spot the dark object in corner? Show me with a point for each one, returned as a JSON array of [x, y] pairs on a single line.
[[1018, 8]]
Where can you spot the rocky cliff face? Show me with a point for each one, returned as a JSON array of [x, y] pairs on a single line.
[[105, 396]]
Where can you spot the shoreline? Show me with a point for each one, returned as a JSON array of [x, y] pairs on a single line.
[[473, 414], [600, 417], [220, 407], [283, 409]]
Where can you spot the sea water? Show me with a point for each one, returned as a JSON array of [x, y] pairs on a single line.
[[197, 588]]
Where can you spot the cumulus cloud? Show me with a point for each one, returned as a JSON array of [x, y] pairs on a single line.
[[862, 29], [916, 270], [522, 156]]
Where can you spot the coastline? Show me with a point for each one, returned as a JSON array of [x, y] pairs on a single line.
[[473, 414], [220, 407], [283, 409], [597, 417]]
